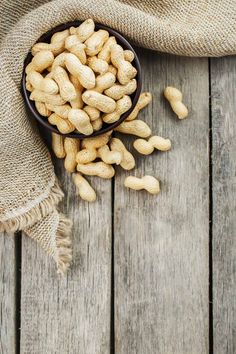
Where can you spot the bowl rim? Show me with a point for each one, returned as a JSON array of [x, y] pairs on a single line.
[[107, 127]]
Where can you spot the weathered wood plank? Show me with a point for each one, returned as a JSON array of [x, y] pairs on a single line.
[[161, 242], [223, 90], [7, 294], [70, 315]]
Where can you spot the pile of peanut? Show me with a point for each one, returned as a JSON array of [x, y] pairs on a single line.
[[80, 80]]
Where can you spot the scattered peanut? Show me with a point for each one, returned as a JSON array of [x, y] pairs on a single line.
[[174, 96], [63, 125], [122, 106], [97, 142], [127, 162], [135, 127], [144, 99], [95, 99], [81, 121], [86, 155], [109, 157], [58, 145], [149, 183], [118, 91], [100, 169], [84, 190], [71, 147], [126, 71], [155, 142]]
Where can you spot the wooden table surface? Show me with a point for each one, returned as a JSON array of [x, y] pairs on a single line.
[[150, 274]]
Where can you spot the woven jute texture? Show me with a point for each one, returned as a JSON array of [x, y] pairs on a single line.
[[29, 193]]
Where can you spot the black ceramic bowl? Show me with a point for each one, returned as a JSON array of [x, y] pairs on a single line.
[[106, 127]]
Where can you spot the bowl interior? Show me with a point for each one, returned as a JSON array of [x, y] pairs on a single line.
[[106, 127]]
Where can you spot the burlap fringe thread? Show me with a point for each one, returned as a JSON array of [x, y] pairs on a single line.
[[63, 255]]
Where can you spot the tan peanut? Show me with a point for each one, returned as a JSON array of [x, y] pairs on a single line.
[[63, 125], [29, 87], [126, 71], [95, 42], [61, 111], [74, 46], [108, 156], [112, 69], [104, 81], [127, 162], [56, 48], [43, 84], [77, 102], [149, 183], [98, 65], [60, 36], [83, 188], [92, 112], [97, 142], [40, 62], [85, 30], [84, 74], [144, 99], [55, 100], [71, 147], [155, 142], [135, 127], [122, 106], [128, 55], [81, 121], [58, 145], [97, 124], [42, 109], [101, 102], [59, 61], [86, 155], [67, 89], [118, 91], [105, 53], [100, 169], [175, 97]]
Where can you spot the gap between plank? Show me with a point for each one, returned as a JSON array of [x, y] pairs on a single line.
[[18, 246], [112, 318], [210, 220]]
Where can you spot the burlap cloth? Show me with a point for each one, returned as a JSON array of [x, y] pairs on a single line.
[[29, 193]]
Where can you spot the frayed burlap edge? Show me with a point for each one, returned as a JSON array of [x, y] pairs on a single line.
[[35, 214], [63, 256]]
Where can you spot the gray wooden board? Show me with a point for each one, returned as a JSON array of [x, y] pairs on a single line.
[[161, 242], [70, 315], [7, 294], [223, 90]]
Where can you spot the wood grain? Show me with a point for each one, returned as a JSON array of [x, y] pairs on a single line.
[[223, 90], [70, 315], [161, 242], [7, 294]]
